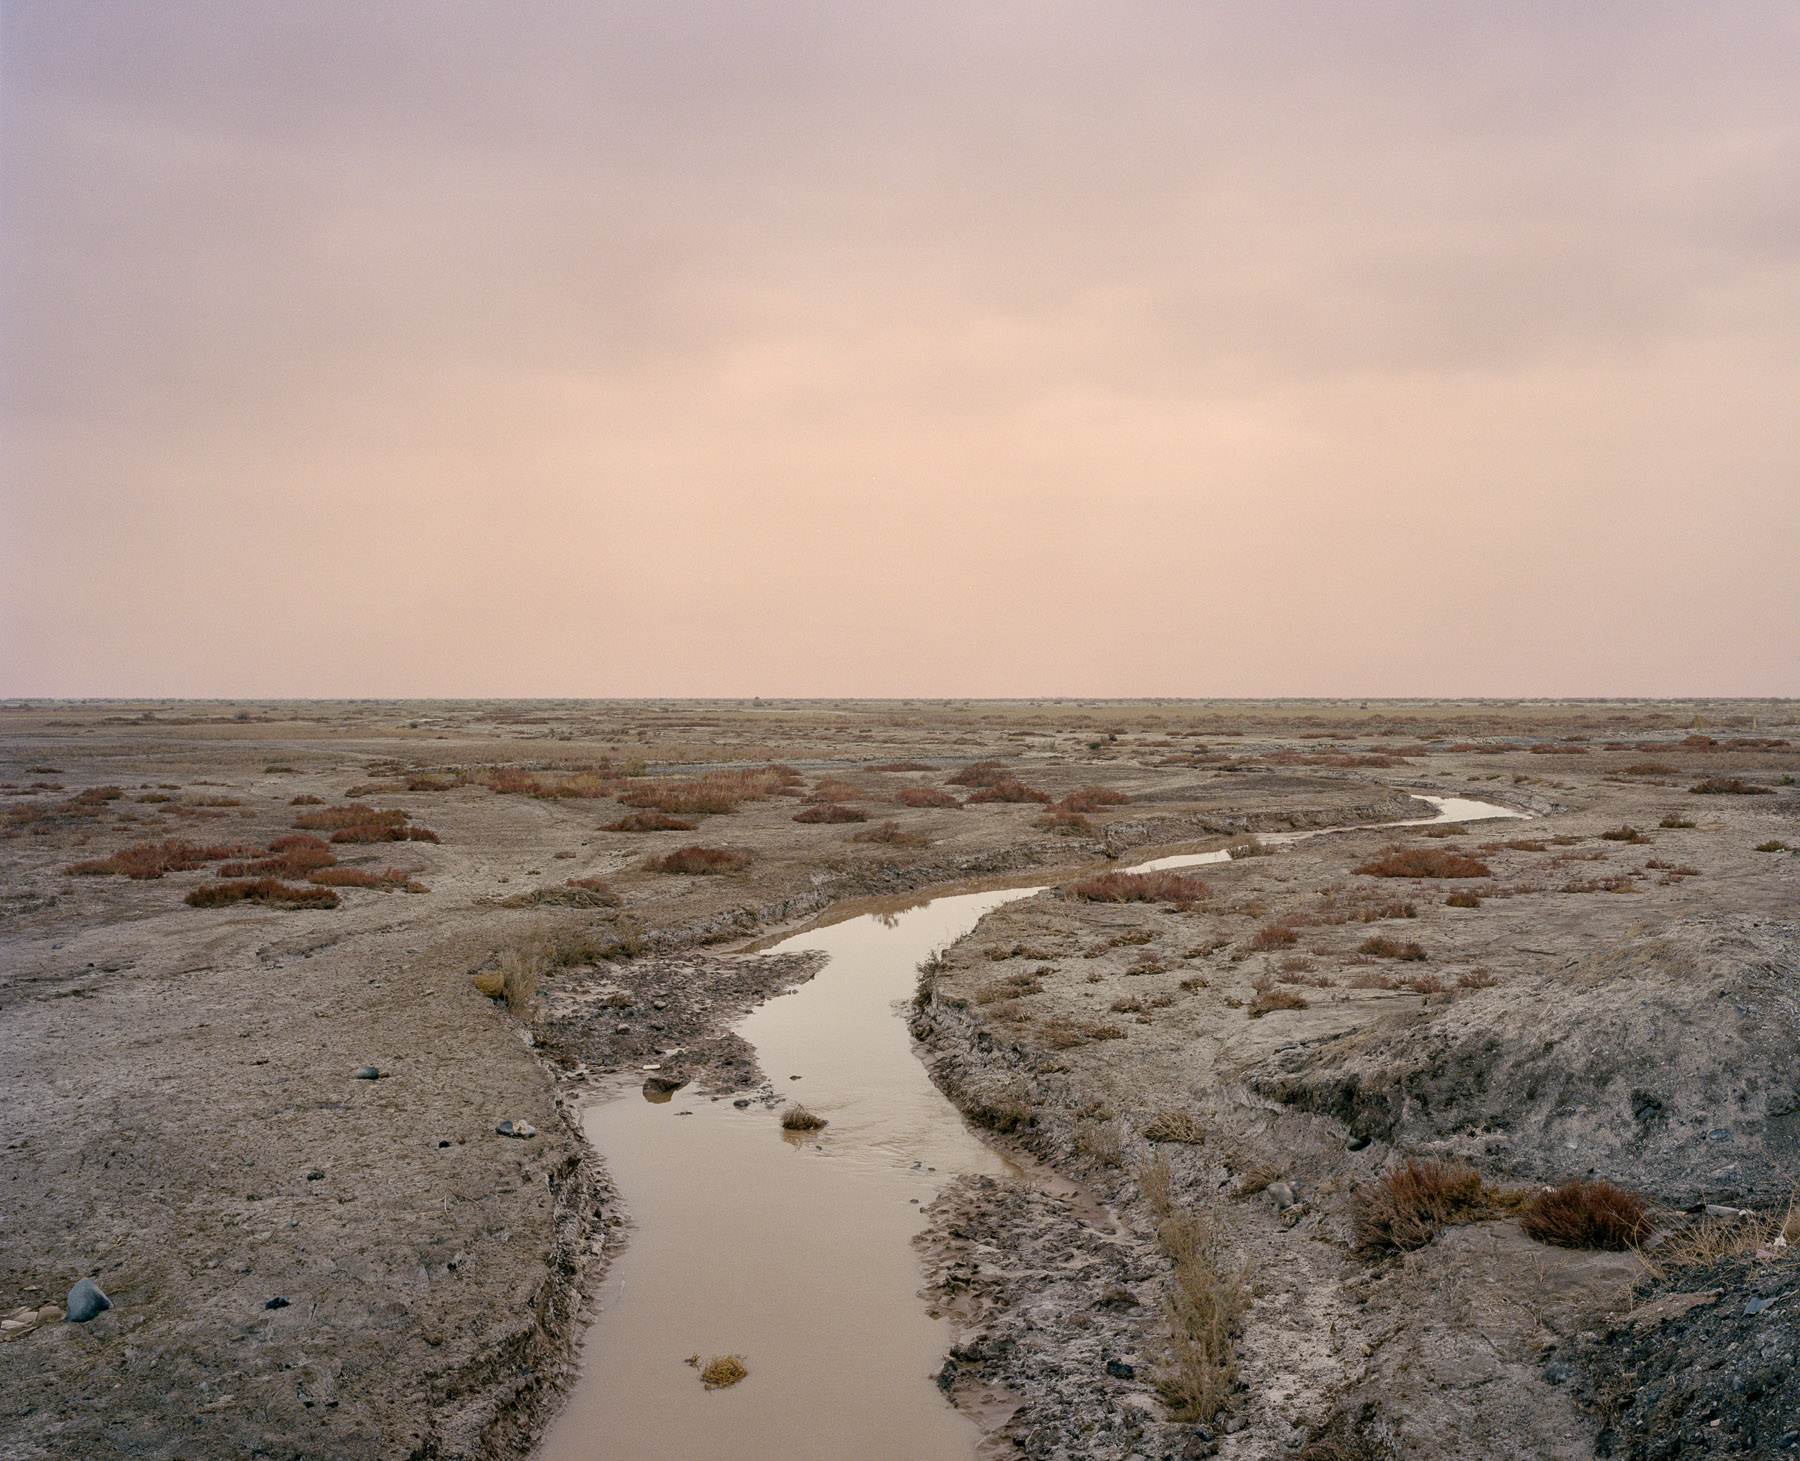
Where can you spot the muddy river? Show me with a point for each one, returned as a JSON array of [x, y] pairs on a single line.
[[794, 1250]]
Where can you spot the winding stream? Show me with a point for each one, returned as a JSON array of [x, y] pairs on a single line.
[[795, 1251]]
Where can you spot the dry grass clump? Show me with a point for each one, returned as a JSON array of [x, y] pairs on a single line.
[[297, 855], [834, 789], [700, 860], [1463, 898], [925, 796], [831, 812], [1382, 947], [387, 880], [1712, 1238], [891, 833], [903, 766], [384, 833], [145, 860], [1774, 844], [1091, 799], [1160, 887], [1009, 791], [334, 819], [522, 970], [271, 891], [1424, 862], [1065, 1033], [1271, 1000], [1206, 1302], [1627, 833], [1675, 819], [649, 822], [721, 1371], [1647, 768], [1404, 1208], [1482, 978], [1275, 936], [981, 773], [1729, 786], [1182, 1127], [798, 1118], [715, 793], [1585, 1215], [575, 893]]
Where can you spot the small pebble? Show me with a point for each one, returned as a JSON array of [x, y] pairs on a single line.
[[276, 1303], [367, 1073]]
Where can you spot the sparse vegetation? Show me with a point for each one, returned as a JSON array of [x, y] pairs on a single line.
[[1271, 1000], [1424, 862], [1462, 898], [698, 860], [891, 833], [1206, 1303], [1774, 844], [272, 891], [1404, 1208], [1675, 819], [1182, 1127], [1627, 833], [721, 1371], [1729, 786], [1381, 947], [830, 812], [1160, 887], [649, 822], [798, 1118], [925, 796], [147, 860], [1585, 1215]]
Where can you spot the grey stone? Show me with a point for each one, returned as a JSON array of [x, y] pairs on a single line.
[[1119, 1370], [85, 1301], [367, 1073], [278, 1302], [522, 1129]]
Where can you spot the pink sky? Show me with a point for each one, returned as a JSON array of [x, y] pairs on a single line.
[[852, 349]]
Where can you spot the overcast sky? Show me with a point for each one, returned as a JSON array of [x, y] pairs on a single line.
[[433, 348]]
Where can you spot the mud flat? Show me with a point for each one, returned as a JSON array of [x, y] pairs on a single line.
[[183, 1120]]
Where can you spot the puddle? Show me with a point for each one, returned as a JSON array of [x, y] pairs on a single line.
[[795, 1251]]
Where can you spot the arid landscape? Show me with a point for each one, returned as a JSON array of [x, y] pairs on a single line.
[[285, 984]]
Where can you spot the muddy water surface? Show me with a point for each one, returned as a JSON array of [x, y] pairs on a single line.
[[793, 1252]]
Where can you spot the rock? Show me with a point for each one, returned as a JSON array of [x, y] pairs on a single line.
[[85, 1301], [1356, 1143], [658, 1085], [1284, 1195], [1119, 1370], [366, 1073], [743, 1102], [621, 1029], [316, 1175], [521, 1129], [278, 1302]]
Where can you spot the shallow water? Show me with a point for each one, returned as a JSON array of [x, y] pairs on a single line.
[[796, 1252]]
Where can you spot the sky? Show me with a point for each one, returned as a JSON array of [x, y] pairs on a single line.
[[653, 348]]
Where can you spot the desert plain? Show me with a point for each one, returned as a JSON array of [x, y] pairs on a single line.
[[283, 983]]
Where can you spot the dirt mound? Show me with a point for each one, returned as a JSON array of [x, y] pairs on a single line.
[[1669, 1064]]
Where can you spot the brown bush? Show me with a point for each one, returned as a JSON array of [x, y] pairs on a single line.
[[1462, 898], [1275, 936], [714, 794], [508, 780], [1091, 799], [1627, 833], [1586, 1215], [834, 789], [893, 834], [981, 773], [1160, 887], [145, 860], [1675, 819], [271, 891], [1478, 979], [1647, 768], [1063, 822], [384, 832], [387, 879], [798, 1118], [831, 812], [334, 819], [1009, 791], [700, 860], [1424, 862], [649, 822], [1275, 999], [1729, 786], [1404, 1208], [925, 796], [1383, 947], [903, 766]]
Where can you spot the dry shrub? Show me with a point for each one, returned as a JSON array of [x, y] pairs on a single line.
[[1424, 862], [387, 880], [1774, 844], [1462, 898], [700, 860], [834, 789], [1552, 748], [1585, 1215], [1404, 1208], [1275, 936], [1382, 947], [1729, 786], [508, 780], [334, 819], [1160, 887], [1675, 819], [831, 812], [271, 891], [1206, 1302], [305, 800], [1647, 768], [145, 860], [1712, 1238], [383, 832], [798, 1118], [1091, 799], [1100, 1142], [1064, 1033], [715, 793], [649, 822], [1627, 833], [1009, 791], [522, 970], [1478, 979], [1182, 1127], [1064, 823], [925, 796], [1425, 984], [893, 834], [981, 773], [721, 1371], [1276, 999], [903, 766]]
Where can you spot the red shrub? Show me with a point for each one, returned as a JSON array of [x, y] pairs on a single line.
[[981, 773], [649, 822], [1383, 947], [925, 796], [356, 877], [261, 890], [1163, 887], [383, 832], [891, 832], [1091, 799], [1424, 862], [355, 815], [1009, 791], [152, 859], [831, 812], [1729, 786], [1586, 1215], [1406, 1206], [698, 859], [1274, 936]]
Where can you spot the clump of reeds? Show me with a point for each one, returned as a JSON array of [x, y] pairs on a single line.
[[798, 1118], [1586, 1215], [1404, 1208], [1158, 887]]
